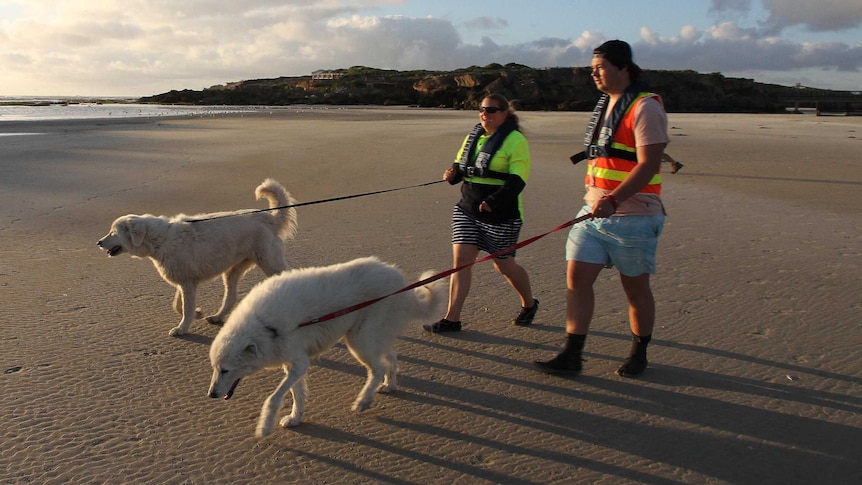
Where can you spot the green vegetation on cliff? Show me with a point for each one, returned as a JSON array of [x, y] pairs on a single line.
[[555, 89]]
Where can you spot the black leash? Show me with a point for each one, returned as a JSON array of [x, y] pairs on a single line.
[[300, 204]]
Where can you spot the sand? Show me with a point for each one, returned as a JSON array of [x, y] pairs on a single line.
[[754, 368]]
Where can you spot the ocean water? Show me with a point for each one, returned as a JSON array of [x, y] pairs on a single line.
[[44, 108]]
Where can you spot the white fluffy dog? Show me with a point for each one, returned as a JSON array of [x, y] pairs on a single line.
[[188, 250], [265, 331]]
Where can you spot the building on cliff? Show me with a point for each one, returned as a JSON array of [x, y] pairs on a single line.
[[325, 75]]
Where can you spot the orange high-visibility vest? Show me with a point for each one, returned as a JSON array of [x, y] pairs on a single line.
[[609, 167]]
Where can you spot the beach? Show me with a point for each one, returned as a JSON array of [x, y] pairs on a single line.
[[754, 374]]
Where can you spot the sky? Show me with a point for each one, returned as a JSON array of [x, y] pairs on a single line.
[[143, 47]]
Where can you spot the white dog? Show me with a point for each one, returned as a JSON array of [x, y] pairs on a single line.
[[265, 331], [188, 250]]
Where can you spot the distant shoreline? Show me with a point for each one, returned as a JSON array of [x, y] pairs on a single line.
[[15, 117], [44, 110]]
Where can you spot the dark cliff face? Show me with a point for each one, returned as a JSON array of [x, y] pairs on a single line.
[[555, 89]]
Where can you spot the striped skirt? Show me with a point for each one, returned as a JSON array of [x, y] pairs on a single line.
[[488, 237]]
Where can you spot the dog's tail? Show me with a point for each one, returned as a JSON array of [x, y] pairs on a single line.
[[431, 298], [278, 196]]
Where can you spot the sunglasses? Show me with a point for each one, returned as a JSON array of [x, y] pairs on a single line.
[[489, 109]]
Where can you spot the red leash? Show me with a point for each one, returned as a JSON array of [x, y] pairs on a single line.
[[345, 311]]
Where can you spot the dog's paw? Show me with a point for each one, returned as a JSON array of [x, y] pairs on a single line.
[[290, 421], [262, 431], [176, 332], [385, 388], [215, 320], [360, 406]]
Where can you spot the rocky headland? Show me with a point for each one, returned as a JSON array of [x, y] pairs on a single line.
[[551, 89]]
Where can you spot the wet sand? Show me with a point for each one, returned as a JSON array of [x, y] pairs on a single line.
[[754, 368]]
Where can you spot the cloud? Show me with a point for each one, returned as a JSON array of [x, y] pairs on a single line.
[[183, 43], [394, 42], [730, 7], [816, 16], [486, 23], [140, 47], [732, 50]]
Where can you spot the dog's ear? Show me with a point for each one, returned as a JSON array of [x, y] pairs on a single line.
[[137, 231], [251, 349]]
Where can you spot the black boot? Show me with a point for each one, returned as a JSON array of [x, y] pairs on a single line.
[[636, 363], [443, 326], [568, 361], [569, 364]]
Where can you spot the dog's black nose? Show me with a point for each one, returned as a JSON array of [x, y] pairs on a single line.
[[214, 395]]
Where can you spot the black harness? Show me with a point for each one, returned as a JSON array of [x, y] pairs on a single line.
[[597, 143], [478, 166]]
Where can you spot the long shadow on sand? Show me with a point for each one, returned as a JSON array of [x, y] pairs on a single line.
[[721, 424]]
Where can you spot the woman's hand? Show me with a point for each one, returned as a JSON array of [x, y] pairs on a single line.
[[449, 174], [485, 207]]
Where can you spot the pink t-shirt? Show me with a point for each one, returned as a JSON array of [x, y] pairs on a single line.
[[650, 123], [650, 129]]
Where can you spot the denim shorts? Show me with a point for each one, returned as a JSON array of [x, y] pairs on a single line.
[[628, 243]]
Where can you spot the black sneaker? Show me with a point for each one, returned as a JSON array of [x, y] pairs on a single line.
[[633, 366], [676, 167], [525, 318], [561, 364], [442, 326]]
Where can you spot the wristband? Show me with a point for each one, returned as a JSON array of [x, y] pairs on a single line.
[[610, 198]]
